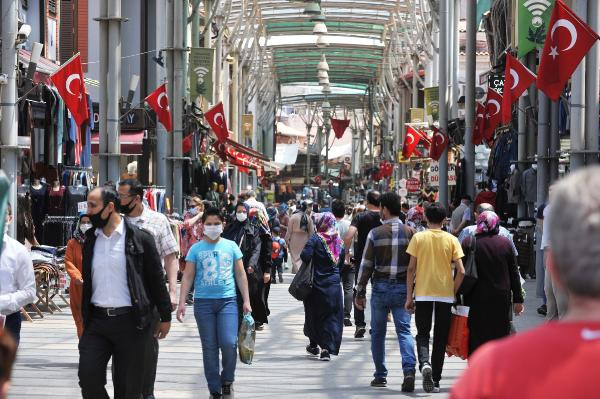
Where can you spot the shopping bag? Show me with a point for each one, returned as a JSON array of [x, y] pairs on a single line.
[[302, 284], [458, 336], [247, 339]]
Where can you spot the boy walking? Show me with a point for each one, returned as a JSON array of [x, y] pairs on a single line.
[[434, 253], [278, 255]]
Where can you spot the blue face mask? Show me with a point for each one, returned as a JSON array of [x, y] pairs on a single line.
[[193, 211]]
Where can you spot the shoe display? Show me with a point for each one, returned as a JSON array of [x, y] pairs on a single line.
[[347, 323], [379, 382], [408, 385], [325, 355], [427, 378], [360, 332], [313, 350]]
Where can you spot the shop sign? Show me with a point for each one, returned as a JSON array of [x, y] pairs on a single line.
[[434, 175], [133, 120], [496, 82], [413, 185], [248, 125], [417, 115], [432, 101]]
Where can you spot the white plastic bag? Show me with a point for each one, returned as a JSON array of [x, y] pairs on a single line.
[[247, 339]]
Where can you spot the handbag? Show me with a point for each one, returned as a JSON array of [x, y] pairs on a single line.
[[458, 335], [471, 276], [302, 284]]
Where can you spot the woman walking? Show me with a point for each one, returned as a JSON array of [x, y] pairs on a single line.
[[497, 284], [212, 264], [324, 307], [74, 264], [248, 233]]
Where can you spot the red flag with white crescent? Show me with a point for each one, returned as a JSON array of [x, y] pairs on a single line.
[[517, 78], [479, 128], [410, 143], [71, 87], [439, 144], [159, 102], [492, 113], [216, 119]]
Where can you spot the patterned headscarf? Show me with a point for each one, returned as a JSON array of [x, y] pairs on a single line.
[[259, 219], [77, 234], [327, 233], [414, 217], [488, 222]]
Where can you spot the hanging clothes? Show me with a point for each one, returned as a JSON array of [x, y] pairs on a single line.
[[56, 205], [86, 155], [60, 126]]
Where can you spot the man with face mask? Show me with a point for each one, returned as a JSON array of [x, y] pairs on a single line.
[[131, 193], [123, 286], [17, 281]]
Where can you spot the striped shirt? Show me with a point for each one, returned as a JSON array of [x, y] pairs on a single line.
[[385, 254]]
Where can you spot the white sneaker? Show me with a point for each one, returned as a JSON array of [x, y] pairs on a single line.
[[428, 384]]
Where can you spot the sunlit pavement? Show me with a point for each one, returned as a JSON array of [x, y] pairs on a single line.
[[47, 360]]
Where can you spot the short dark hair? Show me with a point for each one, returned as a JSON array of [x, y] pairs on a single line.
[[392, 202], [338, 209], [212, 211], [373, 197], [109, 194], [135, 187], [405, 206], [435, 213], [466, 197]]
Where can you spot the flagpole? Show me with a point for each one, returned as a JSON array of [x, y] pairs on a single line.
[[578, 102]]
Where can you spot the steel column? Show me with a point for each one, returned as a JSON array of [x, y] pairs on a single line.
[[443, 76], [470, 96]]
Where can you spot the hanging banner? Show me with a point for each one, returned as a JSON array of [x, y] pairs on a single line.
[[339, 126], [248, 125], [434, 175], [200, 73], [496, 82], [533, 24], [417, 115], [432, 102]]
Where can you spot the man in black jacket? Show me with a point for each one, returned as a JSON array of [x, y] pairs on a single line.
[[123, 285]]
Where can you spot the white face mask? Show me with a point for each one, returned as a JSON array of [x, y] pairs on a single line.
[[85, 227], [6, 228], [213, 232], [241, 216]]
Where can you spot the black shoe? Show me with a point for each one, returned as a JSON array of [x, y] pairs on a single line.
[[379, 382], [428, 384], [215, 396], [360, 332], [281, 279], [273, 281], [325, 355], [347, 323], [259, 326], [313, 350], [436, 387], [151, 396], [542, 310], [227, 389], [408, 385]]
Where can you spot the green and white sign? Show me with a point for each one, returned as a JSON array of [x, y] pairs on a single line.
[[534, 16], [200, 73]]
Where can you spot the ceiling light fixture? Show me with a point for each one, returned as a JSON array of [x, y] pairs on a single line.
[[323, 65], [320, 28], [312, 8], [322, 41]]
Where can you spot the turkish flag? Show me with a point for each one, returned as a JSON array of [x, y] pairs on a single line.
[[71, 87], [216, 119], [339, 126], [568, 40], [187, 143], [517, 78], [439, 144], [159, 102], [410, 143], [492, 113], [479, 124]]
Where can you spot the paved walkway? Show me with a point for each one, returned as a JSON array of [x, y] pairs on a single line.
[[47, 360]]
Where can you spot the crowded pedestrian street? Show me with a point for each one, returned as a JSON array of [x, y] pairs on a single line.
[[47, 364]]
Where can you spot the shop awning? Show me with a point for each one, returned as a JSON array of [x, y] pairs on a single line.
[[131, 142]]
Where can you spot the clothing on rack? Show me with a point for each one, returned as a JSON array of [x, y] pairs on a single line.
[[74, 195], [58, 230], [72, 174], [39, 207], [86, 155], [56, 205], [155, 198]]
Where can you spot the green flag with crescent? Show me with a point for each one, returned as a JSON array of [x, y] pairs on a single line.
[[533, 18]]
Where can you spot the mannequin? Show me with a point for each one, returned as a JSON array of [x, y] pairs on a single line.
[[202, 177], [75, 194], [529, 189], [55, 201], [514, 185]]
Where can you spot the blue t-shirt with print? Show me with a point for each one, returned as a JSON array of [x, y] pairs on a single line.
[[214, 268]]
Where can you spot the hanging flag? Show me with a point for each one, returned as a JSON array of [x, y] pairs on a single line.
[[159, 102], [533, 18], [479, 128], [492, 113], [187, 143], [567, 42], [410, 143], [339, 126], [71, 87], [439, 144], [517, 78], [200, 73], [216, 119]]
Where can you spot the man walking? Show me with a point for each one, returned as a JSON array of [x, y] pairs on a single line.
[[339, 211], [300, 228], [469, 231], [123, 284], [385, 263], [17, 281], [131, 193], [433, 252], [361, 226], [461, 216]]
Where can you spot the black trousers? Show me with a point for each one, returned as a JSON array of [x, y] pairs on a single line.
[[12, 324], [152, 361], [423, 315], [117, 337]]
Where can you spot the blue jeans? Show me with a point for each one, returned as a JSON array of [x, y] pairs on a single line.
[[217, 321], [386, 296]]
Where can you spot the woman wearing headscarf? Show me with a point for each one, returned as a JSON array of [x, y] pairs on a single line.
[[324, 307], [497, 284], [415, 217], [252, 237], [74, 264]]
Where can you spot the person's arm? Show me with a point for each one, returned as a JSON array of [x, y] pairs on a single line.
[[266, 249], [460, 274], [348, 241], [192, 221], [289, 230], [25, 283], [515, 283], [252, 263], [411, 272], [73, 271], [365, 272], [172, 267], [186, 283], [242, 283], [155, 283]]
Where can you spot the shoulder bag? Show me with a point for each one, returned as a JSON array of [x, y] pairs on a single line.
[[470, 270], [302, 284]]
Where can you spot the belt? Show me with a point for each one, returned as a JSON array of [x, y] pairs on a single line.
[[112, 312]]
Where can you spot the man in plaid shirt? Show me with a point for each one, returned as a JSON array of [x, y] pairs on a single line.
[[385, 263], [131, 194]]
